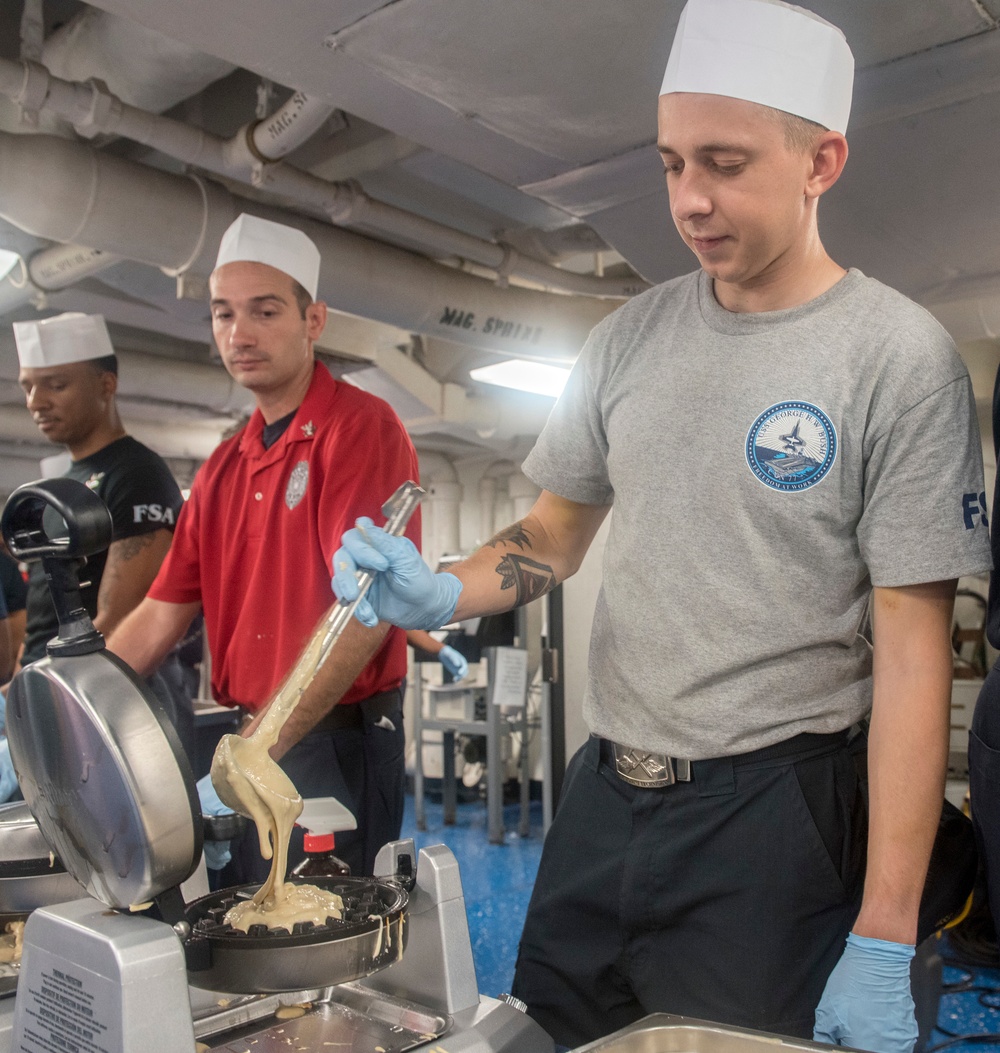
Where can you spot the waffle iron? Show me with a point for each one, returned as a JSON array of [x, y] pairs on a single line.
[[134, 967], [106, 778]]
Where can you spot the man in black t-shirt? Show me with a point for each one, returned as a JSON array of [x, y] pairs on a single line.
[[14, 589], [69, 375]]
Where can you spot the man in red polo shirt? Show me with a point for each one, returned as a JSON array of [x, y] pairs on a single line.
[[254, 542]]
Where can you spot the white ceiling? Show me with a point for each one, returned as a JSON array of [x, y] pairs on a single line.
[[532, 123]]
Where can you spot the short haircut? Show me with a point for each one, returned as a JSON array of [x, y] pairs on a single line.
[[800, 133], [107, 364], [302, 297]]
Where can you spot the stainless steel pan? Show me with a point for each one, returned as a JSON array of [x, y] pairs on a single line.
[[371, 936]]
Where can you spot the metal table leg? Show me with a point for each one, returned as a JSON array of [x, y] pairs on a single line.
[[419, 810], [494, 774], [449, 793], [524, 826]]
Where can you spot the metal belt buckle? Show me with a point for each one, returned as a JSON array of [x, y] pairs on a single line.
[[648, 770]]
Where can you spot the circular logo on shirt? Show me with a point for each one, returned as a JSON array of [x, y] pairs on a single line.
[[791, 446]]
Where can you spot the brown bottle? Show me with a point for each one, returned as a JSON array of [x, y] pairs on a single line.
[[320, 860]]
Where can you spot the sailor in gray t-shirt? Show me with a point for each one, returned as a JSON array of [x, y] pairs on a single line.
[[766, 469], [792, 455]]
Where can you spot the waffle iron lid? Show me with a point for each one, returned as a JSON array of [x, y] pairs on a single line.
[[104, 774]]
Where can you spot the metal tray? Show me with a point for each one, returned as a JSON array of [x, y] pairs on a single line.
[[348, 1017], [665, 1033]]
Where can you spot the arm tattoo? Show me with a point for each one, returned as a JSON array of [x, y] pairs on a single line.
[[515, 534], [130, 547], [529, 578]]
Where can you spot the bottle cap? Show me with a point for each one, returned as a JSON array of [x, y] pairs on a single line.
[[318, 842]]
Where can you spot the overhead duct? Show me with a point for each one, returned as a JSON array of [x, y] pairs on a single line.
[[142, 67], [93, 110], [139, 65], [70, 192]]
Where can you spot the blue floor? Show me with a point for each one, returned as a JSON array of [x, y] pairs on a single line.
[[970, 1006], [497, 880]]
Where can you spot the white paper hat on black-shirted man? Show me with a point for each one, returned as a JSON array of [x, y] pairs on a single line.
[[254, 240], [59, 341], [767, 52]]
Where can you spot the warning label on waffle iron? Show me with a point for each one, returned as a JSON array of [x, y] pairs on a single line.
[[65, 1012]]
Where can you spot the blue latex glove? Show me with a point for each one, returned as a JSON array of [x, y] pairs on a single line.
[[3, 711], [217, 853], [8, 780], [405, 592], [867, 1001], [454, 662]]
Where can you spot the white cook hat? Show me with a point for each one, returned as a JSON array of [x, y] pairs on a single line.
[[58, 341], [255, 240], [764, 51]]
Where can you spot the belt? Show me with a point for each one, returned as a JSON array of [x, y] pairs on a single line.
[[353, 715], [655, 770]]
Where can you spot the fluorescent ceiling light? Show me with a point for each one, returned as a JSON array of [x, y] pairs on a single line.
[[537, 377], [8, 261]]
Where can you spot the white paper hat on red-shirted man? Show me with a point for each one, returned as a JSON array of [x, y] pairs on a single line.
[[59, 341], [767, 52], [255, 240]]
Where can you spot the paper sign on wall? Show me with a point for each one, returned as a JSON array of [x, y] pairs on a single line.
[[509, 676]]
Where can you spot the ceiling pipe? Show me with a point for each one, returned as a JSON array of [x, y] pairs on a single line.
[[288, 127], [441, 506], [69, 192], [32, 30], [139, 65], [51, 269], [93, 110]]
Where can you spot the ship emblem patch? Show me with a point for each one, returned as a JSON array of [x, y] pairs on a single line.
[[297, 481], [791, 446]]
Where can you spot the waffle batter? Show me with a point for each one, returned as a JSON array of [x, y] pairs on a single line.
[[249, 781], [12, 942]]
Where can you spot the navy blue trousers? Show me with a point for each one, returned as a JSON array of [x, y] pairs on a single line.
[[984, 785], [727, 898]]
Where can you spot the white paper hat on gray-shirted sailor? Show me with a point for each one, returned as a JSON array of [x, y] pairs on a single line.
[[767, 52], [255, 240], [59, 341]]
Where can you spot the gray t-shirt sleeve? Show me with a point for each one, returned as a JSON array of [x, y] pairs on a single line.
[[570, 457], [925, 516]]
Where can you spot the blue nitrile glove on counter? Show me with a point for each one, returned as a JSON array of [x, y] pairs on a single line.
[[867, 1002], [217, 853], [405, 592], [8, 780], [454, 662]]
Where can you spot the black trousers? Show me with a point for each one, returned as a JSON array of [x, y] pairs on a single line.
[[356, 756], [984, 785], [726, 898]]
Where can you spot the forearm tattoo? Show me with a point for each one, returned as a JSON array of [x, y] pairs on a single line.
[[528, 577], [514, 535]]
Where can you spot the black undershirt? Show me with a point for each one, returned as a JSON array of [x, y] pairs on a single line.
[[273, 432]]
